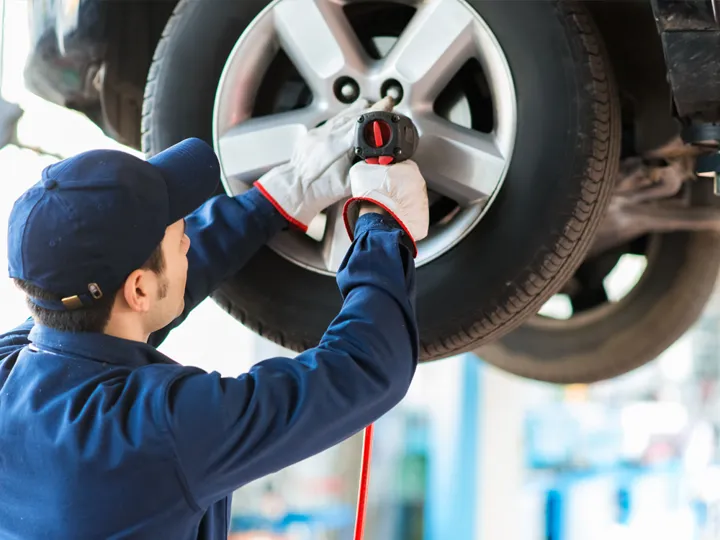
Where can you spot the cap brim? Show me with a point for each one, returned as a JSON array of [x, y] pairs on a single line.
[[192, 173]]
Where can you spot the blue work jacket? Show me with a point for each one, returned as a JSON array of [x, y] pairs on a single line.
[[105, 438]]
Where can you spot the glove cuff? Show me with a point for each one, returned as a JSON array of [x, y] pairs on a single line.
[[351, 211], [293, 221]]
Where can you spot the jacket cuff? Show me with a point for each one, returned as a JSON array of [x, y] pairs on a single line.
[[265, 208], [380, 222]]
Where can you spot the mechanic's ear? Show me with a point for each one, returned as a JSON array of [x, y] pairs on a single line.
[[137, 291]]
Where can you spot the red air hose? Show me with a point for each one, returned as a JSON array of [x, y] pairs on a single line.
[[379, 136], [364, 482]]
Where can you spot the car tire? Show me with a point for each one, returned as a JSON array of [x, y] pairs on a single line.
[[616, 338], [527, 245]]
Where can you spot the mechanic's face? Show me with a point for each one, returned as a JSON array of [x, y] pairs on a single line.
[[152, 300], [170, 300]]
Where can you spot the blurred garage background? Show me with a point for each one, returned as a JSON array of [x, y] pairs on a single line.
[[472, 453]]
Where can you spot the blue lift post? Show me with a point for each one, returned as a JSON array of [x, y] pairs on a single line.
[[452, 490]]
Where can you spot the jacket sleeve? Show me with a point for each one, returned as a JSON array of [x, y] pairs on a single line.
[[230, 431], [224, 233]]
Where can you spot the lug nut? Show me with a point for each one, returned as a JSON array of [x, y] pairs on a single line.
[[395, 93], [393, 89], [347, 90]]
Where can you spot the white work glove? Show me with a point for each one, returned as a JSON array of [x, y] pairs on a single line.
[[399, 189], [317, 174]]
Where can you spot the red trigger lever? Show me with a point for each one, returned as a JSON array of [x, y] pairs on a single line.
[[380, 136]]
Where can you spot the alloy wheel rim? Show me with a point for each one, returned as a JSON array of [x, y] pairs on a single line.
[[462, 165], [617, 300]]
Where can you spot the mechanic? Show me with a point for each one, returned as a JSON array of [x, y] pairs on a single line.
[[101, 435]]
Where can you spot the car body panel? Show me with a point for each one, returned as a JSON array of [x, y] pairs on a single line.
[[68, 43], [690, 33]]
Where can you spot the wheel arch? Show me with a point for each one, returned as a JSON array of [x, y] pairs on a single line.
[[628, 28], [134, 30]]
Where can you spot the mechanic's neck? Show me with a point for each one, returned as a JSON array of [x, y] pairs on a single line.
[[127, 326]]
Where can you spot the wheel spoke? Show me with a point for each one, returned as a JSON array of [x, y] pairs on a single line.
[[588, 298], [460, 163], [319, 40], [433, 47], [336, 241], [253, 147], [590, 278]]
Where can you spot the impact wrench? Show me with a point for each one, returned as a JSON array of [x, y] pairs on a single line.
[[381, 138]]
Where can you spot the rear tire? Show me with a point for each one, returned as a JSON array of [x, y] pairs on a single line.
[[532, 238], [615, 339]]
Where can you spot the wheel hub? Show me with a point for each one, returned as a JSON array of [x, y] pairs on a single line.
[[300, 62]]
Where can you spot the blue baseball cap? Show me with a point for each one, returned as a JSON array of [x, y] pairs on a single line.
[[96, 217]]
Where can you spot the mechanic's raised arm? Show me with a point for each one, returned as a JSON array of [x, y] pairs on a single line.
[[230, 431], [224, 233]]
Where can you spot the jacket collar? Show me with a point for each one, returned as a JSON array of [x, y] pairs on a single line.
[[98, 347]]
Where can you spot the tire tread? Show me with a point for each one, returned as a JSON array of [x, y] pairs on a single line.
[[560, 261]]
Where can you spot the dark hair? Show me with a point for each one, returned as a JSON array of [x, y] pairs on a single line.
[[89, 319]]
